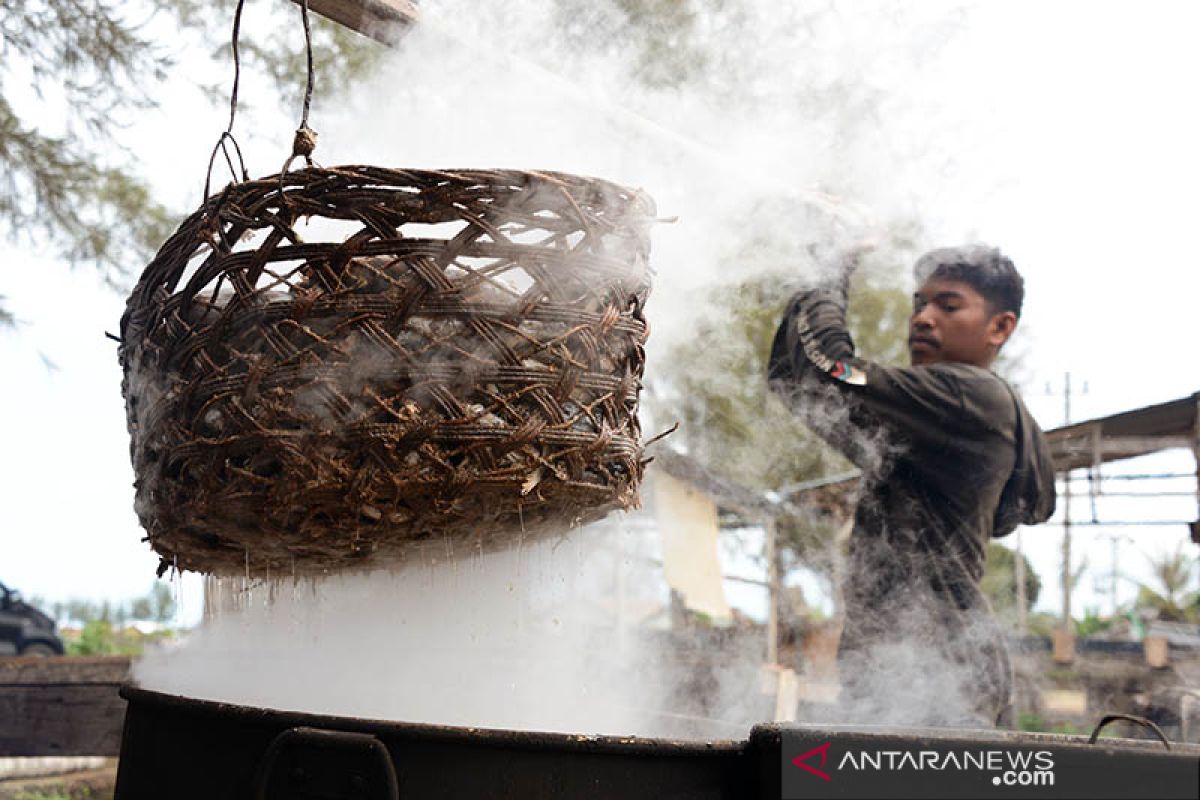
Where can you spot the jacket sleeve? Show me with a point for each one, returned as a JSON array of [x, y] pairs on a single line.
[[1029, 496], [854, 404]]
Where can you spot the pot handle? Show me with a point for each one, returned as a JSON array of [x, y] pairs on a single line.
[[1145, 723], [304, 762]]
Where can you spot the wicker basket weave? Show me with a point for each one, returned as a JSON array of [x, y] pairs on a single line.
[[449, 356]]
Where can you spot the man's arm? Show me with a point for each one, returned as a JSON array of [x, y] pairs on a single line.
[[851, 402]]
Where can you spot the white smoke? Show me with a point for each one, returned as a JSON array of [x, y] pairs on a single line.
[[557, 636], [792, 103], [740, 152]]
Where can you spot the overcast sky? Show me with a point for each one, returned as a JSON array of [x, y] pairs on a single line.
[[1074, 132]]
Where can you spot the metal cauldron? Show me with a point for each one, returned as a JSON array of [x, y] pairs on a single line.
[[186, 749]]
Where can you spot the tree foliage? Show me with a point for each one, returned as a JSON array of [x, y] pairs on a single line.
[[103, 638], [999, 582], [714, 383], [716, 380], [1093, 623], [70, 184], [1168, 597], [663, 43], [75, 75], [272, 43], [156, 605]]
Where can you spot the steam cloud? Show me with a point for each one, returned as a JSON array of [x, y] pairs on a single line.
[[553, 636], [787, 103]]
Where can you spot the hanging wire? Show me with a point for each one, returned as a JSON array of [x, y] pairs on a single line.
[[227, 135], [305, 140], [308, 88]]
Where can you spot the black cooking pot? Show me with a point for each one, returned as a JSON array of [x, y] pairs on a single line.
[[177, 747]]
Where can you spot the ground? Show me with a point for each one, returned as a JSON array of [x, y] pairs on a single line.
[[93, 784]]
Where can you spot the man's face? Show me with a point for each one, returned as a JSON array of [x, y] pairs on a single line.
[[951, 321]]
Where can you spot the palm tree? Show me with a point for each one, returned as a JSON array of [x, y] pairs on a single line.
[[1169, 596]]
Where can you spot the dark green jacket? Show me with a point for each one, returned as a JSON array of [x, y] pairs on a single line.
[[950, 458]]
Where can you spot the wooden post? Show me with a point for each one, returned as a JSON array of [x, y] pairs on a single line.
[[787, 696], [772, 595], [1189, 714], [1156, 649], [1066, 553], [1064, 646], [381, 20]]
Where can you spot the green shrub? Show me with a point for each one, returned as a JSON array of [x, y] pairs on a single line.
[[1030, 722], [96, 639], [1091, 624], [100, 638]]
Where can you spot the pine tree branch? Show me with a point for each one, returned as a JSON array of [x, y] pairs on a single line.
[[55, 191]]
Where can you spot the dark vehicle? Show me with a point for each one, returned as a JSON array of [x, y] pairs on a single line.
[[23, 629]]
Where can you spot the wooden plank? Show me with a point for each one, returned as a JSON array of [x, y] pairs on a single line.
[[26, 768], [65, 720], [61, 706], [382, 20], [88, 782], [20, 671]]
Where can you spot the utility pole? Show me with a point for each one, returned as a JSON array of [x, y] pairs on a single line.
[[1019, 576], [1115, 540], [1066, 497], [1066, 542], [1196, 456], [773, 589]]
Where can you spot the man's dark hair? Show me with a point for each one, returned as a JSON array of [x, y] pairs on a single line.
[[985, 269]]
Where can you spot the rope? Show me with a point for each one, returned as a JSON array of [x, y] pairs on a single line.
[[305, 140], [308, 88], [227, 135]]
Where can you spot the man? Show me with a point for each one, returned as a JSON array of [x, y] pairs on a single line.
[[950, 458]]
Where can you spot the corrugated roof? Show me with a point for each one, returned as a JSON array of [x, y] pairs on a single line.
[[724, 491], [1117, 436], [1126, 435]]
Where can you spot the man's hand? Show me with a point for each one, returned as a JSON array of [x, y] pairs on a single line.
[[860, 248], [841, 264], [850, 257], [821, 311]]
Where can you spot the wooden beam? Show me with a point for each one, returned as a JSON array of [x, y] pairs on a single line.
[[1196, 457], [1083, 450], [382, 20], [61, 706]]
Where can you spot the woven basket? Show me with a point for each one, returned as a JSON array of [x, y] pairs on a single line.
[[447, 356]]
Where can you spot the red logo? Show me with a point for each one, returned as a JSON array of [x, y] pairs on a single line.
[[823, 750]]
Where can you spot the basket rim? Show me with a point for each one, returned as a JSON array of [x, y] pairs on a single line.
[[202, 226]]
